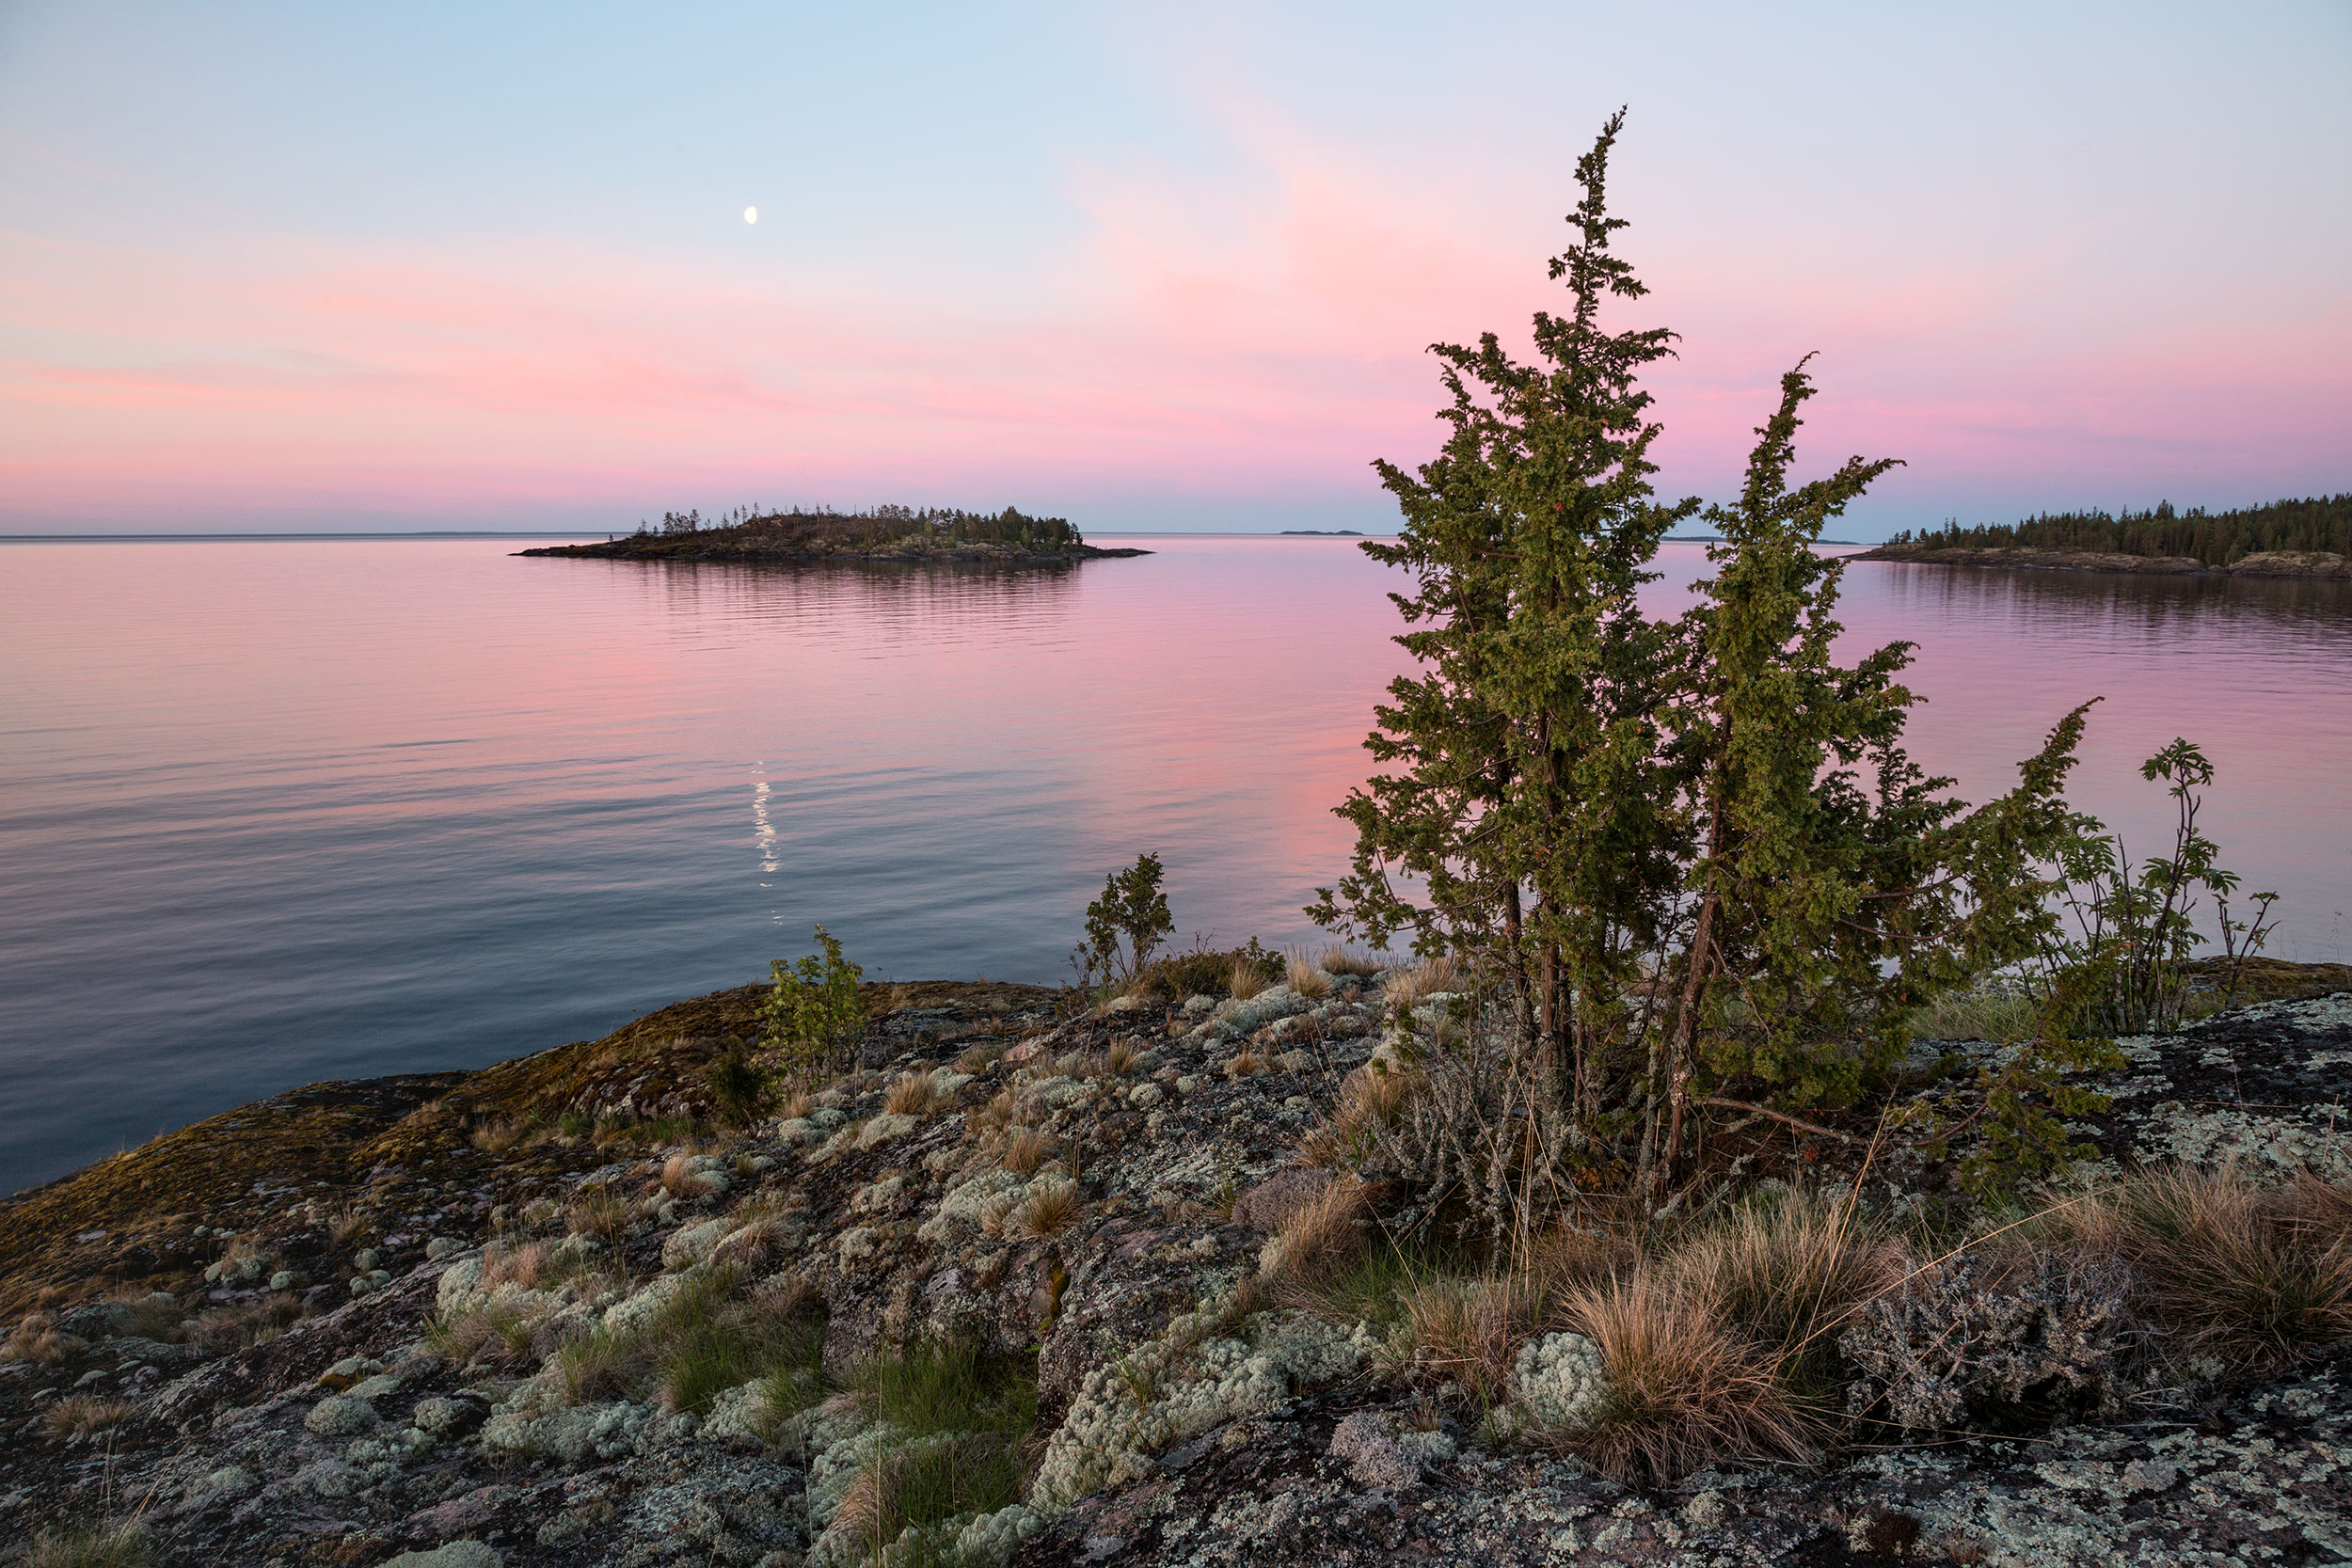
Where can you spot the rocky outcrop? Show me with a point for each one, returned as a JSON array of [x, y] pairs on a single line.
[[547, 1314]]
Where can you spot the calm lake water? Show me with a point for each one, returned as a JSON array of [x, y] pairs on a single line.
[[279, 811]]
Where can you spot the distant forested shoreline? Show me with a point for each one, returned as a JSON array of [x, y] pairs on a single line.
[[2319, 524]]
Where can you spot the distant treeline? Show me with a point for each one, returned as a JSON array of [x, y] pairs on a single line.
[[2216, 538], [882, 525]]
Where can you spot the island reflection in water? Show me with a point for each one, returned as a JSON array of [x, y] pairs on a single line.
[[284, 811]]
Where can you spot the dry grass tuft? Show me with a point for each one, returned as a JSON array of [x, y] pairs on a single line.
[[976, 1060], [1053, 1204], [1347, 960], [680, 1180], [525, 1265], [1470, 1331], [1029, 1150], [1245, 1063], [915, 1094], [1792, 1277], [998, 1114], [1684, 1390], [1320, 1238], [602, 1215], [80, 1415], [1246, 979], [39, 1342], [1370, 1099], [120, 1544], [2253, 1277], [231, 1328], [757, 1249], [797, 1105], [491, 1332], [1308, 977], [1120, 1056], [1430, 977], [498, 1138]]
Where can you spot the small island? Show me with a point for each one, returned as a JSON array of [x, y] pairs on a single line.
[[904, 533], [2308, 538]]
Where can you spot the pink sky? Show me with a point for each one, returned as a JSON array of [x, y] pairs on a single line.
[[1199, 302]]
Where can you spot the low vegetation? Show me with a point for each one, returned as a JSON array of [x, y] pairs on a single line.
[[1786, 1327]]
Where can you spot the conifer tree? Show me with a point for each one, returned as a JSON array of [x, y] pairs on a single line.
[[1690, 852], [1526, 756]]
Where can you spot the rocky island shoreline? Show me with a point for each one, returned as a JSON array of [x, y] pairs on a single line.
[[1024, 1283], [887, 533]]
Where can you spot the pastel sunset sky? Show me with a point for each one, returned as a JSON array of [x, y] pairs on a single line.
[[482, 266]]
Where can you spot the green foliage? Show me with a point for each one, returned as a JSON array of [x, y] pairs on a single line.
[[881, 527], [738, 1089], [812, 1018], [939, 1386], [1686, 859], [2137, 929], [2027, 1097], [959, 1417], [1520, 807], [711, 1337], [2315, 523], [1134, 908]]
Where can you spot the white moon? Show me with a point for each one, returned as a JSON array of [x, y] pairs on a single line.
[[750, 214]]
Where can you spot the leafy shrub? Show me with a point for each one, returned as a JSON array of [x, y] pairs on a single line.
[[1132, 908], [812, 1018]]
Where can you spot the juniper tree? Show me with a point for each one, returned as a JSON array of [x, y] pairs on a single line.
[[1692, 851], [1522, 803]]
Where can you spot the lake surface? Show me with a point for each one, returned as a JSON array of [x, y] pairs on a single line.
[[279, 810]]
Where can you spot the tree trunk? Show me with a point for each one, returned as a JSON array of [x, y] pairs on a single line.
[[1686, 1025]]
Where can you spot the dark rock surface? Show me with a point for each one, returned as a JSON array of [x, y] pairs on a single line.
[[241, 1310]]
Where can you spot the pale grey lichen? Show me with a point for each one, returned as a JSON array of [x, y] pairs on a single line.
[[574, 1436], [1560, 1383], [960, 1211], [1179, 1386]]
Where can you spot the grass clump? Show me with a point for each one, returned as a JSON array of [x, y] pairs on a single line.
[[711, 1335], [121, 1545], [738, 1089], [232, 1328], [964, 1417], [1997, 1013], [1685, 1389], [1028, 1152], [2251, 1276], [494, 1332], [1430, 977], [1468, 1331], [1320, 1240], [1052, 1206], [1789, 1276], [915, 1094], [1370, 1100], [1247, 977], [79, 1415], [1307, 976]]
